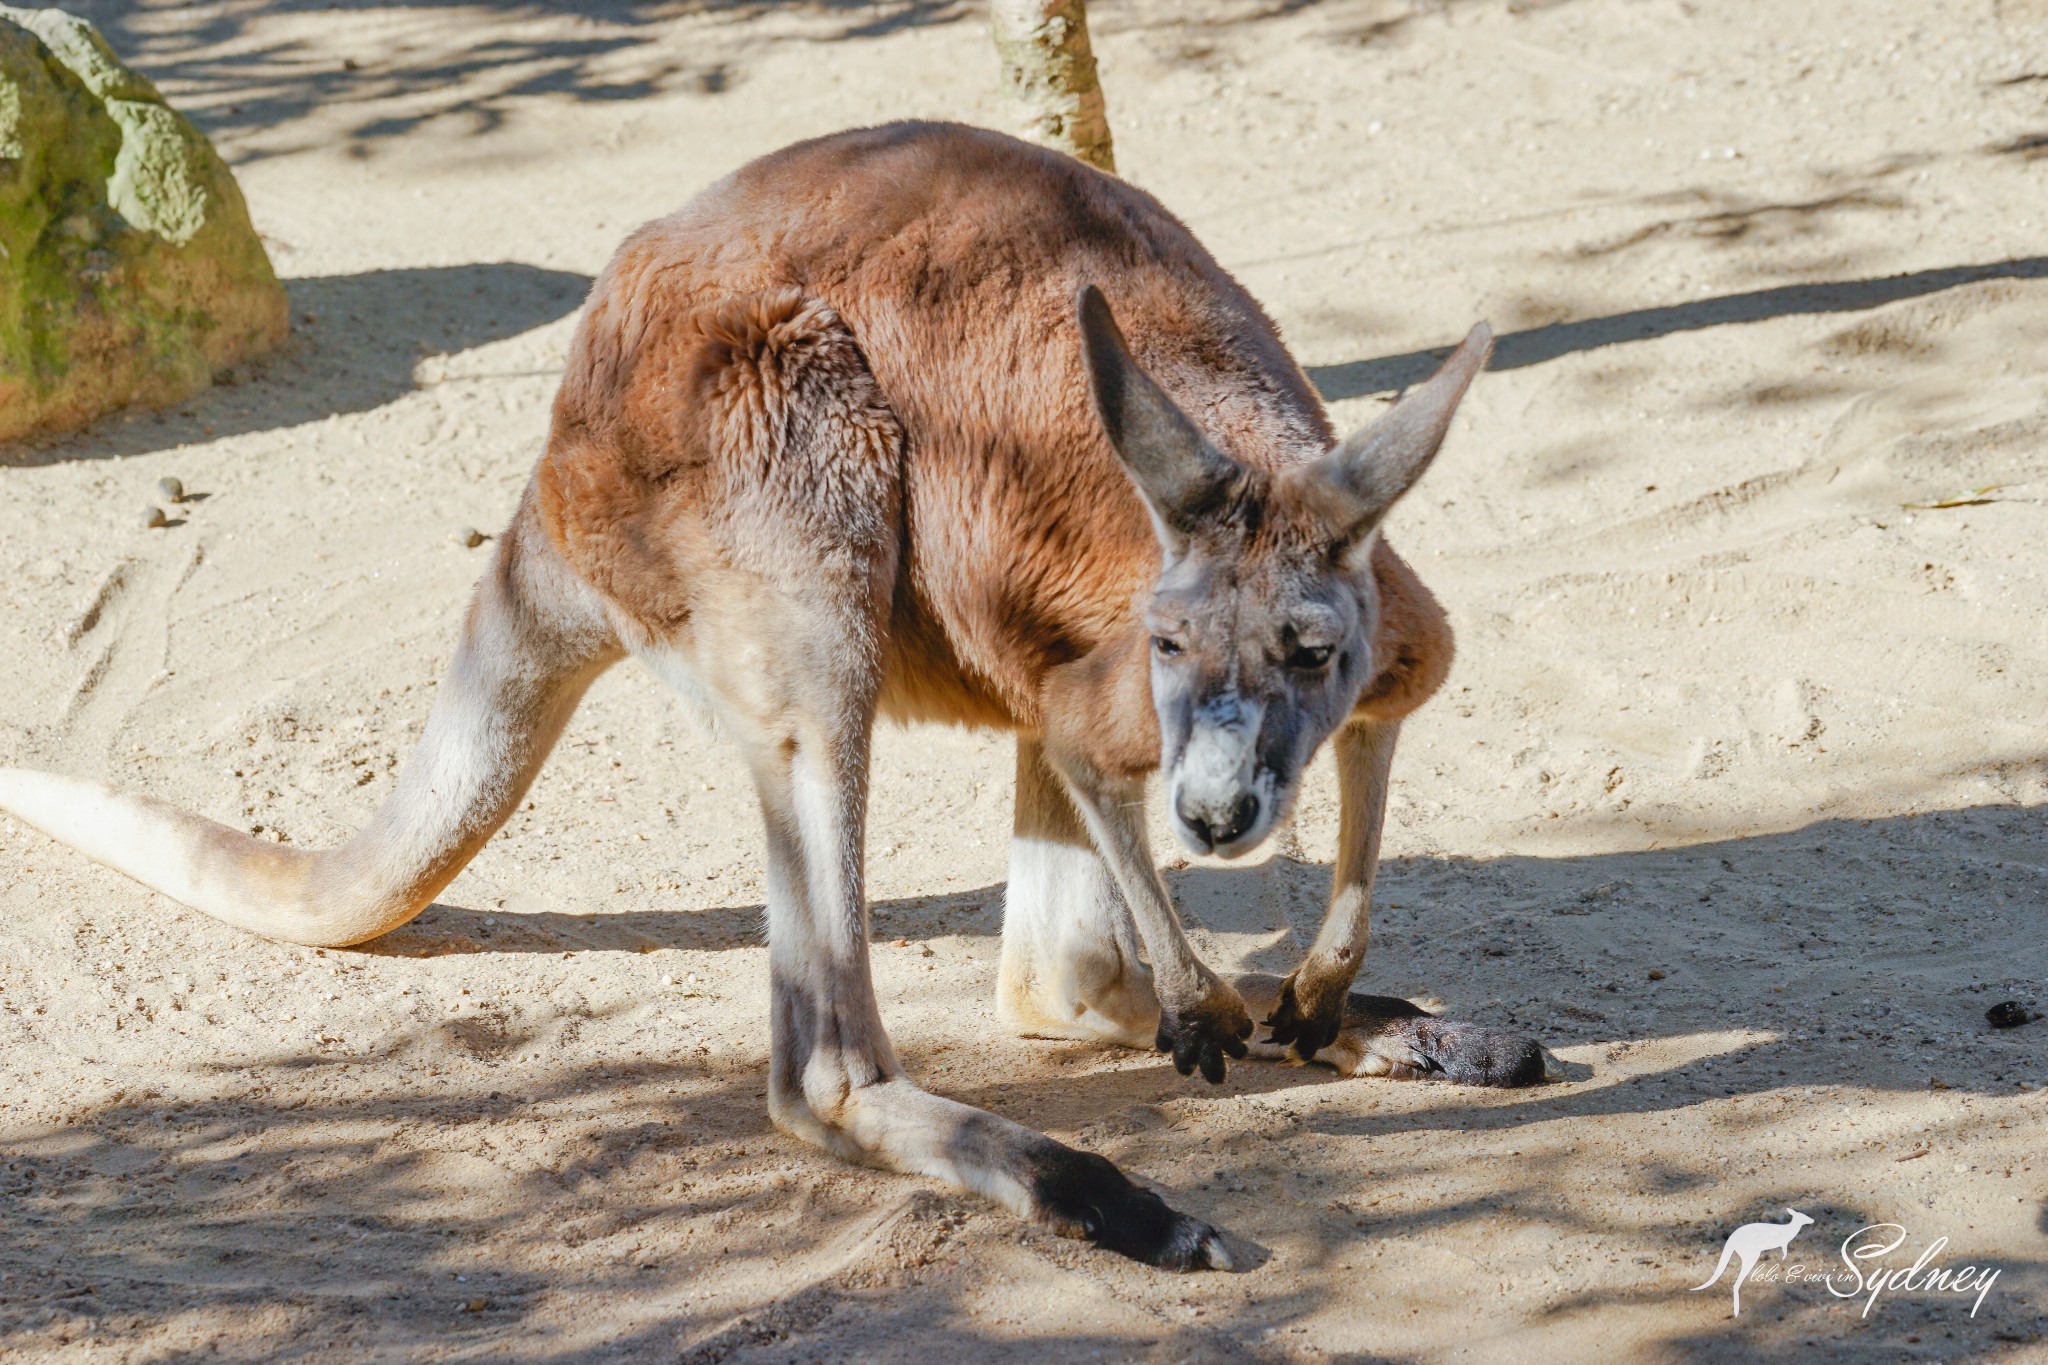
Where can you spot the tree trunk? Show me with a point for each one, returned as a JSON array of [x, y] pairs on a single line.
[[1049, 70]]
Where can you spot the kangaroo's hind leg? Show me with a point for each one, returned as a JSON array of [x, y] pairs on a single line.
[[1070, 964], [786, 549], [834, 1079]]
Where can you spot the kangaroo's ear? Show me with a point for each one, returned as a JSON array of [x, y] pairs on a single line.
[[1181, 475], [1368, 471]]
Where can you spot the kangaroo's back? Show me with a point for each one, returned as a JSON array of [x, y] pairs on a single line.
[[953, 256]]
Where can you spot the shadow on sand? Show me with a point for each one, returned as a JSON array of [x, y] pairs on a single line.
[[150, 1212], [356, 343], [1513, 351], [444, 61]]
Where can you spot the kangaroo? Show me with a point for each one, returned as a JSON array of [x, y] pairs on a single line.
[[1750, 1241], [858, 433]]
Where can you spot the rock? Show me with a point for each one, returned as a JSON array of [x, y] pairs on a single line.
[[153, 517], [468, 537], [171, 489], [2009, 1014], [129, 271]]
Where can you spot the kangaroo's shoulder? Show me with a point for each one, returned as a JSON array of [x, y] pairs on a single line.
[[1415, 645]]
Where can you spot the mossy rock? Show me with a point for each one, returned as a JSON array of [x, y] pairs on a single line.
[[129, 271]]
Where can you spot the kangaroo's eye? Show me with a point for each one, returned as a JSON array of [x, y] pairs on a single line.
[[1167, 648], [1310, 658]]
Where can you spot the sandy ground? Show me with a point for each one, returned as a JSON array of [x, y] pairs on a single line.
[[1727, 709]]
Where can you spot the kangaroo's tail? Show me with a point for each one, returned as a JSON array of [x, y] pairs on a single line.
[[1727, 1252], [535, 638]]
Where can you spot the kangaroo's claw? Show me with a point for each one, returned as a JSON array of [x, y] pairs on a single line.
[[1309, 1028], [1216, 1028]]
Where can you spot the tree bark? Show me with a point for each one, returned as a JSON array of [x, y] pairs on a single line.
[[1049, 71]]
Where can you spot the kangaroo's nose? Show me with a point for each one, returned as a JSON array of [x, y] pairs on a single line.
[[1213, 833]]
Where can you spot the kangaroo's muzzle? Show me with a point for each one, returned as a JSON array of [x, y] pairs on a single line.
[[1222, 800]]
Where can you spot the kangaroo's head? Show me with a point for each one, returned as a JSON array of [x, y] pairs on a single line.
[[1266, 609], [1799, 1220]]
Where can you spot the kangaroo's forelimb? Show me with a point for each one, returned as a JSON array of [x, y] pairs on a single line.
[[534, 640], [1315, 1009], [1201, 1019], [1310, 1011]]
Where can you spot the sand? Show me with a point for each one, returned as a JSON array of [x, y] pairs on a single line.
[[1728, 708]]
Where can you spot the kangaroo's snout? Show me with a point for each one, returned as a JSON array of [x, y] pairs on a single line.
[[1221, 795], [1213, 833]]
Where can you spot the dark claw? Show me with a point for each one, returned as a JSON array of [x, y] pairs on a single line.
[[1309, 1034], [1198, 1046]]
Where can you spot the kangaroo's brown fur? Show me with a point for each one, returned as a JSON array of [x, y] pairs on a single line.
[[831, 446]]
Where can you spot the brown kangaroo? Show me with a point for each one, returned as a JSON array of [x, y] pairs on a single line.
[[826, 450]]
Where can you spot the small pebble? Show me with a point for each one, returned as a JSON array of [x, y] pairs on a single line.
[[1656, 975], [153, 517], [468, 537], [172, 490], [2009, 1014]]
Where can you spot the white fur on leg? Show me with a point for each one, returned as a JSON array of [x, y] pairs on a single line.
[[1070, 965]]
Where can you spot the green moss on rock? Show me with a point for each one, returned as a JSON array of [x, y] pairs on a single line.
[[129, 271]]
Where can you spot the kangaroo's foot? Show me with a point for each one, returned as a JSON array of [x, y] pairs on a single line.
[[894, 1124], [1070, 966], [1382, 1035], [1096, 998]]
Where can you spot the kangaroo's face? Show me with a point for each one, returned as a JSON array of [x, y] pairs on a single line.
[[1265, 612], [1262, 633]]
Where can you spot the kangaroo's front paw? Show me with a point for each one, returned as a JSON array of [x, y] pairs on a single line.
[[1204, 1033], [1309, 1015], [1080, 1194]]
